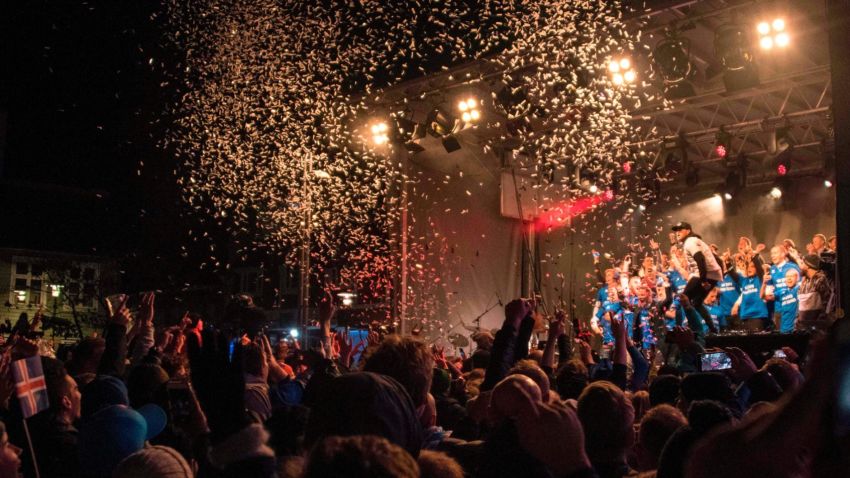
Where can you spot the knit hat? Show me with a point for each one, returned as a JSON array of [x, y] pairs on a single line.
[[114, 433], [154, 462], [812, 261]]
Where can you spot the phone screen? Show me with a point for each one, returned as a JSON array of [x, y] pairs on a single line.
[[712, 361]]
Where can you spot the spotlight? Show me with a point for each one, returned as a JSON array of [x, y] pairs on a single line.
[[723, 144], [621, 71], [775, 193], [346, 298], [441, 124], [380, 133], [293, 333], [469, 110], [671, 57], [593, 189], [827, 183], [732, 47], [727, 196], [773, 34], [642, 207]]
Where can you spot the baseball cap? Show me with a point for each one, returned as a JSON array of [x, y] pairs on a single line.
[[114, 433], [683, 225]]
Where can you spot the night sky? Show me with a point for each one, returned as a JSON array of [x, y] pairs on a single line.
[[84, 111]]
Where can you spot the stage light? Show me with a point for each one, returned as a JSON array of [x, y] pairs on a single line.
[[469, 110], [380, 133], [775, 193], [733, 48], [781, 169], [642, 207], [441, 124], [593, 189], [827, 183], [346, 298], [293, 333], [671, 58], [727, 196], [723, 144], [773, 34], [621, 71]]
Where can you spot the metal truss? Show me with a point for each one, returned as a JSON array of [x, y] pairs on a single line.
[[798, 102]]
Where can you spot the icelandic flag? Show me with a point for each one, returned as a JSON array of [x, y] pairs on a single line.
[[30, 385]]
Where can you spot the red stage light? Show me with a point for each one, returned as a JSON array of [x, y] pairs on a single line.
[[609, 195], [720, 150], [781, 170], [627, 167]]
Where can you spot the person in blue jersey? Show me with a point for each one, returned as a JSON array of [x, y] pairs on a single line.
[[728, 291], [716, 309], [779, 268], [612, 304], [645, 312], [610, 277], [676, 272], [785, 298], [750, 307]]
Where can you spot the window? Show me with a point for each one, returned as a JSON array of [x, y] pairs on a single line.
[[21, 284], [22, 268], [88, 274], [75, 273]]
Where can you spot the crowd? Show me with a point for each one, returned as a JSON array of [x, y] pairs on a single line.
[[729, 291], [149, 399]]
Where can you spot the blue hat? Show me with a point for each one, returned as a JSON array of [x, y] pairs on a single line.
[[114, 433], [103, 391]]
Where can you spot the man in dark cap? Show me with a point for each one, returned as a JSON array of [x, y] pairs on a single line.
[[703, 267], [813, 296]]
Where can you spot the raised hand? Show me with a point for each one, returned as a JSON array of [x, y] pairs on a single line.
[[146, 309], [120, 313], [516, 310], [557, 324], [742, 365], [327, 308], [654, 245]]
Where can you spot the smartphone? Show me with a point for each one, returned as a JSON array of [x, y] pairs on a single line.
[[841, 349], [779, 354], [181, 400], [712, 361]]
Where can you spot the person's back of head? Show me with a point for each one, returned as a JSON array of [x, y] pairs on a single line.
[[705, 415], [664, 390], [146, 384], [656, 428], [531, 369], [254, 362], [607, 418], [640, 403], [571, 379], [362, 456], [408, 361], [481, 359], [706, 386], [85, 357], [364, 403], [154, 462], [436, 464]]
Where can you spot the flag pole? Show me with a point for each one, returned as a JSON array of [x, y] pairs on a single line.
[[32, 450]]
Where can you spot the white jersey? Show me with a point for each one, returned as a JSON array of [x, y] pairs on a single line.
[[694, 245]]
